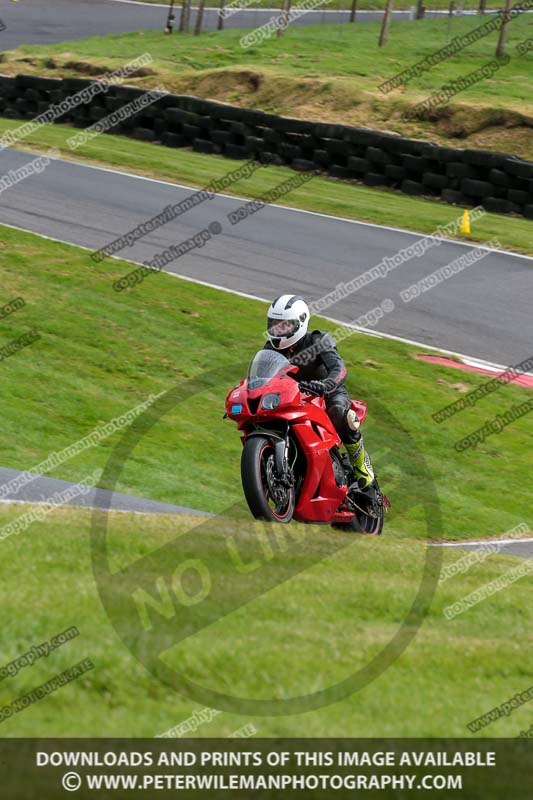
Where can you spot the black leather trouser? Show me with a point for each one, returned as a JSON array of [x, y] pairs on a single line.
[[337, 406]]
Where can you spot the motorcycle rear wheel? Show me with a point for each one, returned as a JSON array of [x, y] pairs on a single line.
[[371, 526], [266, 497], [365, 524]]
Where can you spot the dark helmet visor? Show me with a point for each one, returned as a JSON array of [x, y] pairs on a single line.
[[282, 328]]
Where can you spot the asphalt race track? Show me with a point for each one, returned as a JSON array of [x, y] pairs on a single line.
[[523, 547], [41, 490], [49, 21], [483, 311]]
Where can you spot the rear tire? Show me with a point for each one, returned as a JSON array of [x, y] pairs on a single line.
[[266, 498], [362, 523], [370, 526]]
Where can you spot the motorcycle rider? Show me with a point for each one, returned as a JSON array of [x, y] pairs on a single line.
[[321, 371]]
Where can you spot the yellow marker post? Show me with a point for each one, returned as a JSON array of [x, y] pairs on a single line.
[[465, 223]]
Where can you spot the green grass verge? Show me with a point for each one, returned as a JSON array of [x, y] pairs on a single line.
[[302, 636], [325, 195], [102, 353], [325, 72]]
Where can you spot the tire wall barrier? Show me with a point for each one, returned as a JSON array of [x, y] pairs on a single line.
[[501, 183]]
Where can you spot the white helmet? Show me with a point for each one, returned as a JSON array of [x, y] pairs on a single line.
[[287, 321]]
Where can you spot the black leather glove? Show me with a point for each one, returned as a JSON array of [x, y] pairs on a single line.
[[313, 387]]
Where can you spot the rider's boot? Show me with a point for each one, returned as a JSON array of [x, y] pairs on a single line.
[[364, 489], [360, 461]]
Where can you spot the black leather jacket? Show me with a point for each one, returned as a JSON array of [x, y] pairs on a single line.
[[318, 359]]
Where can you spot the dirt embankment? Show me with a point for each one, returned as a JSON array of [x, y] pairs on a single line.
[[458, 124]]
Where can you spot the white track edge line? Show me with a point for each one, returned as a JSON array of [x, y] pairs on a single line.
[[365, 331], [97, 508], [485, 542], [466, 12]]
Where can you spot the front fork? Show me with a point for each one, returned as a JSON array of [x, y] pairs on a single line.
[[281, 452]]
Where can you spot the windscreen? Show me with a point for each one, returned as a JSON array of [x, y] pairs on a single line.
[[263, 366]]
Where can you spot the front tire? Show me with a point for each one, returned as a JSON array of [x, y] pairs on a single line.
[[266, 496]]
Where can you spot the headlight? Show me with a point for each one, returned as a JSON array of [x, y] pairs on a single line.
[[270, 401]]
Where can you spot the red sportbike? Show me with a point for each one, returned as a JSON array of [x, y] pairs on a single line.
[[291, 465]]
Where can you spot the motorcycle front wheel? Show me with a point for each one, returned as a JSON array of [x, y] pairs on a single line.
[[267, 496]]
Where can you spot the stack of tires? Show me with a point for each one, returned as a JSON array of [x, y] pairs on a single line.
[[501, 183]]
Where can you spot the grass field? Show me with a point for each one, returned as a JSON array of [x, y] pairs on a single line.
[[327, 72], [99, 355], [303, 635]]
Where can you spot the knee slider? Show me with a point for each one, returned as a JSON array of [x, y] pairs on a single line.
[[353, 420]]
